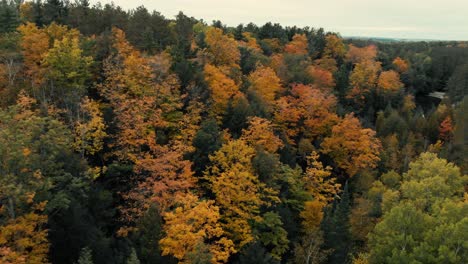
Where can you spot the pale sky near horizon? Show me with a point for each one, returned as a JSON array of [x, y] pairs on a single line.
[[409, 19]]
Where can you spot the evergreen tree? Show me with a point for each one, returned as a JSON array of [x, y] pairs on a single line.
[[9, 18], [133, 258], [54, 11], [86, 256], [337, 230]]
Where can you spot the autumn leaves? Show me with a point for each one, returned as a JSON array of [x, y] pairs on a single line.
[[142, 117]]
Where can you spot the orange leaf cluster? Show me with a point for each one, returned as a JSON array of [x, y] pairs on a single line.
[[298, 45], [308, 111], [352, 147], [222, 88], [389, 81], [359, 55], [400, 65]]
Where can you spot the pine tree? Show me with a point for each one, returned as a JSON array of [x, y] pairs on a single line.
[[9, 19], [133, 258], [86, 256], [337, 230]]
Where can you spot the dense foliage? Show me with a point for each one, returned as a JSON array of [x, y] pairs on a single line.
[[127, 137]]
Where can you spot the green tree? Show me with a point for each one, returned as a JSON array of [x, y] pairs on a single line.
[[133, 258], [427, 222], [68, 70], [86, 256], [9, 17], [337, 229]]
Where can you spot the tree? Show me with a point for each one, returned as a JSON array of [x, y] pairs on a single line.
[[67, 71], [265, 84], [425, 222], [237, 190], [307, 111], [389, 82], [9, 17], [400, 65], [362, 80], [321, 78], [207, 140], [192, 224], [39, 165], [260, 134], [359, 55], [361, 221], [34, 45], [334, 47], [457, 83], [272, 234], [54, 11], [169, 178], [310, 250], [133, 258], [446, 129], [352, 147], [251, 42], [223, 49], [337, 228], [298, 45], [223, 89], [145, 109], [319, 182], [459, 138], [90, 129], [255, 253], [24, 239], [86, 256], [391, 155]]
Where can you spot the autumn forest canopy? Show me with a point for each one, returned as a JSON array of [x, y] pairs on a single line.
[[127, 137]]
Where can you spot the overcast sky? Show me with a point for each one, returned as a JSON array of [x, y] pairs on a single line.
[[414, 19]]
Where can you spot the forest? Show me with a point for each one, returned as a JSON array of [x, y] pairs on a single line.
[[127, 137]]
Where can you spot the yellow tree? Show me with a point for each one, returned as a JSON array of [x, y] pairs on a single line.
[[223, 49], [66, 70], [319, 181], [90, 129], [334, 47], [237, 189], [195, 224], [363, 80], [265, 83], [223, 89], [260, 134], [352, 147], [24, 239], [35, 44], [320, 184]]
